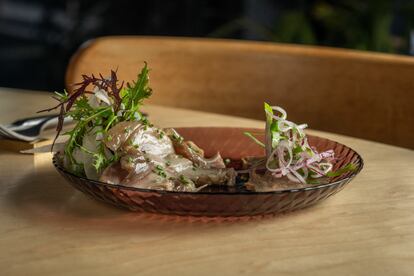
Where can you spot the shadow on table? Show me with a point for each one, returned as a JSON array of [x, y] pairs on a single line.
[[42, 195]]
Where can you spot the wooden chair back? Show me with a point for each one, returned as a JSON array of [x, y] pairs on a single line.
[[360, 94]]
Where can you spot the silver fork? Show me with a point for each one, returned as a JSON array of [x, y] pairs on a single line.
[[29, 129]]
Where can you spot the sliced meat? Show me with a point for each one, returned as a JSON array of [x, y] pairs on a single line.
[[153, 159], [177, 164], [145, 179], [267, 183], [191, 151], [86, 159], [114, 174], [202, 176], [178, 174], [134, 163], [134, 137], [119, 134]]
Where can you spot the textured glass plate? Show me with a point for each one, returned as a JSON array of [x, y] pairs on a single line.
[[231, 143]]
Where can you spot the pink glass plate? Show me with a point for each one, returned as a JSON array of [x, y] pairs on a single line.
[[233, 144]]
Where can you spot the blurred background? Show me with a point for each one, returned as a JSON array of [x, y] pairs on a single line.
[[37, 37]]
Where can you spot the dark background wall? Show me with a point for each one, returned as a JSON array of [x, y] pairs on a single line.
[[37, 37]]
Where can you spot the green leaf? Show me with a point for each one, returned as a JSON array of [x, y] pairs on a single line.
[[274, 127], [88, 117], [268, 110], [297, 150], [248, 134], [135, 93], [276, 137], [347, 168]]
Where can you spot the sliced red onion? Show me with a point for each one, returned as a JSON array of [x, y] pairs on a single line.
[[277, 149], [281, 111], [284, 125], [319, 156], [270, 159], [325, 167], [291, 177], [298, 177]]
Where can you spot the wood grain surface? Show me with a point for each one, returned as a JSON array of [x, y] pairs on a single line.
[[48, 228], [355, 93]]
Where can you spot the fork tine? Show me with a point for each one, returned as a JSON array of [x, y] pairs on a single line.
[[12, 135], [29, 132], [5, 133], [1, 129]]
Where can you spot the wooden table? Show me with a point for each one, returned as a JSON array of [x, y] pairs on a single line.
[[48, 228]]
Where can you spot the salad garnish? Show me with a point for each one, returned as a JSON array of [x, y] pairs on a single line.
[[112, 103], [288, 153]]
